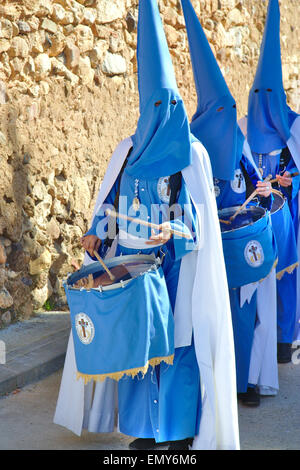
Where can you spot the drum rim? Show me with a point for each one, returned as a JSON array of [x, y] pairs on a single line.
[[112, 262], [223, 211], [278, 193]]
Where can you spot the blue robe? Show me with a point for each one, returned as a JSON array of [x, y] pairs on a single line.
[[229, 194], [286, 285], [164, 404]]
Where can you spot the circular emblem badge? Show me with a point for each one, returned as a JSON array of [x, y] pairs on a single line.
[[164, 189], [238, 184], [254, 254], [85, 328]]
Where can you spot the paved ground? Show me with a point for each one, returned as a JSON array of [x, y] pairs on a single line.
[[29, 384], [32, 349], [26, 420]]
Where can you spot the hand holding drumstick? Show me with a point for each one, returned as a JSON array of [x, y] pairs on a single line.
[[92, 244]]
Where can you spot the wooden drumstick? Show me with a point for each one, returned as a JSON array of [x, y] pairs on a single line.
[[225, 221], [252, 196], [147, 224], [292, 175], [112, 277]]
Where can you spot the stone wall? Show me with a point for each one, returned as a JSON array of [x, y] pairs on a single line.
[[68, 95]]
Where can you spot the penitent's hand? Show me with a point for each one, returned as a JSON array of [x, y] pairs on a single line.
[[263, 189], [285, 180], [91, 243], [163, 236]]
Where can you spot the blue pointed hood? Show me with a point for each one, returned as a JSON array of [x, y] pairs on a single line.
[[269, 117], [215, 121], [162, 141]]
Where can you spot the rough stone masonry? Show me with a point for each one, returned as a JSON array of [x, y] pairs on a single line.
[[68, 94]]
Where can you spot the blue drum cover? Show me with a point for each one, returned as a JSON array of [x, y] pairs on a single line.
[[250, 251], [286, 241], [122, 330]]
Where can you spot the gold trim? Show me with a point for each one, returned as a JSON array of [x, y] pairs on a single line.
[[261, 280], [273, 267], [289, 270], [130, 372]]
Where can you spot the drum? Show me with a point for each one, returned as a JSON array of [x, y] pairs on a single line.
[[122, 327], [249, 245], [285, 235], [278, 201]]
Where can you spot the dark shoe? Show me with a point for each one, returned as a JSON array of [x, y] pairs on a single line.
[[250, 398], [146, 444], [181, 445], [284, 353]]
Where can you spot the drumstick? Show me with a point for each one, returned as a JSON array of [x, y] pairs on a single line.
[[225, 221], [112, 277], [252, 196], [147, 224], [292, 175]]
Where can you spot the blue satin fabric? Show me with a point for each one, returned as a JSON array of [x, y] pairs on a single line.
[[237, 245], [283, 228], [243, 322], [282, 222], [165, 404], [137, 318], [166, 398], [162, 141], [269, 117], [286, 307], [215, 120], [284, 231], [229, 194]]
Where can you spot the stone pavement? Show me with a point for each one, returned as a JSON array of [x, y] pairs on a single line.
[[30, 380], [32, 349]]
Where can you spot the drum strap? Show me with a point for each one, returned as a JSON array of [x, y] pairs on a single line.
[[249, 185], [175, 186], [284, 158], [175, 182], [109, 241]]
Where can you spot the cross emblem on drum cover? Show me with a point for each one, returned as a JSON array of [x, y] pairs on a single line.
[[83, 325], [240, 179], [253, 250]]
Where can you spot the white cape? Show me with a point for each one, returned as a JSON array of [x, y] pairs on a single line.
[[202, 307]]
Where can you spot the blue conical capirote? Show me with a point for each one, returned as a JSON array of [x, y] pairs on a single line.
[[269, 117], [215, 121], [162, 141], [155, 68]]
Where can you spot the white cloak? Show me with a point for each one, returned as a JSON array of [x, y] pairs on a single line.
[[202, 308]]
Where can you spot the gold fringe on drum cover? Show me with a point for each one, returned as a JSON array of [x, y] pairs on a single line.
[[289, 270], [130, 372]]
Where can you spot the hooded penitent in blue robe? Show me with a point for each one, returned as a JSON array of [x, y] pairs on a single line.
[[216, 114], [162, 141], [215, 124], [269, 116], [164, 404], [268, 131]]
